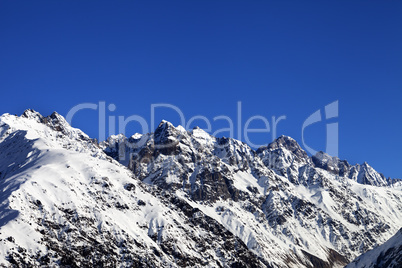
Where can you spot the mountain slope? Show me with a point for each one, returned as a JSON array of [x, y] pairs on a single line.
[[65, 202], [275, 195], [388, 254], [181, 198]]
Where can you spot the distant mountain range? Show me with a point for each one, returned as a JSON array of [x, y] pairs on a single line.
[[178, 198]]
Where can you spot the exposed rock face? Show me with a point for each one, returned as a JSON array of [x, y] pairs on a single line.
[[387, 255], [209, 170], [331, 164], [182, 198], [363, 174], [289, 144]]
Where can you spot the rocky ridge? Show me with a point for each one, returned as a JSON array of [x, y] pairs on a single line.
[[182, 198]]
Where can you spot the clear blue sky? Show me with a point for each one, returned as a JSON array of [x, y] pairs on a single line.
[[276, 57]]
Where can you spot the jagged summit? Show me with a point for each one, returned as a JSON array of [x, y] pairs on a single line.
[[287, 143], [365, 174], [273, 155], [283, 153], [32, 114], [56, 115], [37, 126], [286, 138], [55, 118], [331, 163], [166, 133], [165, 123]]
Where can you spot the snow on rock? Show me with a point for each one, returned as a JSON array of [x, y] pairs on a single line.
[[388, 255], [182, 198], [308, 206], [67, 207]]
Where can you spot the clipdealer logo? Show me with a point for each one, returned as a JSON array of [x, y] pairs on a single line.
[[107, 124]]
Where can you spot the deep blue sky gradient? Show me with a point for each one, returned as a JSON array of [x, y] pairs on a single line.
[[276, 57]]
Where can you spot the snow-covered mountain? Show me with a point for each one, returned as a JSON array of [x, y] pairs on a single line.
[[388, 254], [182, 198]]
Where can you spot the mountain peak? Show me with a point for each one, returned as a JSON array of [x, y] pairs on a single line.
[[165, 132], [57, 122], [365, 164], [284, 137], [282, 153], [164, 123], [288, 143], [56, 115], [366, 174], [330, 163], [32, 114], [28, 112], [284, 141], [182, 188]]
